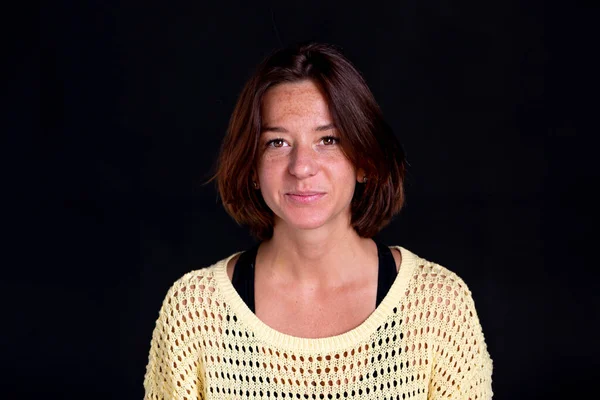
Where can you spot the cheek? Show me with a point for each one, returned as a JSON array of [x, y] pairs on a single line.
[[343, 170], [274, 158], [271, 173]]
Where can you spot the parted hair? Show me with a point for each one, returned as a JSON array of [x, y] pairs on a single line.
[[366, 139]]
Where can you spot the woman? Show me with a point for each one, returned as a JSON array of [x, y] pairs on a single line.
[[317, 310]]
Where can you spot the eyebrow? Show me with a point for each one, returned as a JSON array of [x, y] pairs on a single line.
[[278, 129]]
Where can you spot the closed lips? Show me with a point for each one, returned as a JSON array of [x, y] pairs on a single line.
[[304, 193], [305, 197]]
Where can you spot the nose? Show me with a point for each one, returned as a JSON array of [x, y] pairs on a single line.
[[303, 162]]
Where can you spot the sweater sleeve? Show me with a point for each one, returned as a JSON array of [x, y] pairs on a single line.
[[462, 367], [174, 369]]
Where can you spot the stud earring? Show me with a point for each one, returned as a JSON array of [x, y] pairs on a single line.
[[255, 184], [364, 180]]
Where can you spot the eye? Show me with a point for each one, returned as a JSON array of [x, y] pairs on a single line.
[[276, 143], [330, 140]]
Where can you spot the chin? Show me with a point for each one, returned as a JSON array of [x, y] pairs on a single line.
[[307, 220], [304, 223]]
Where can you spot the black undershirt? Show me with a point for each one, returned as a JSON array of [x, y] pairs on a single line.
[[243, 274]]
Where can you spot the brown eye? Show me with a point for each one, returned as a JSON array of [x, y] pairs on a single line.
[[330, 140], [275, 143]]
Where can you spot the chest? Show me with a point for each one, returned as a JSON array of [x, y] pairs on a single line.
[[384, 364], [307, 314]]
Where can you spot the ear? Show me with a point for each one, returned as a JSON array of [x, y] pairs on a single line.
[[360, 175], [254, 179]]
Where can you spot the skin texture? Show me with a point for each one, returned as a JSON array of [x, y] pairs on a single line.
[[316, 277], [299, 154]]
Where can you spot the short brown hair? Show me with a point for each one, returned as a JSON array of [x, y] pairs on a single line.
[[367, 140]]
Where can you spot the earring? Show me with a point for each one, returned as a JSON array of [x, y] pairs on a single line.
[[364, 180], [255, 184]]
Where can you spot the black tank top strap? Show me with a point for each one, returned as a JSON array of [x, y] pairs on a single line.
[[387, 271], [243, 276]]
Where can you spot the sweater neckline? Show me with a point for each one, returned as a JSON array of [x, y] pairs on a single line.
[[347, 339]]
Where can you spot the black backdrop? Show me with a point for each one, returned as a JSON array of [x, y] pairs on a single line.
[[110, 205]]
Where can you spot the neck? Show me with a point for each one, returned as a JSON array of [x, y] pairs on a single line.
[[328, 256]]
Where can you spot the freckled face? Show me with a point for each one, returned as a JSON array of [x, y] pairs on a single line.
[[304, 177]]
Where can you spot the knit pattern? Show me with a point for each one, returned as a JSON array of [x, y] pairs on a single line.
[[424, 341]]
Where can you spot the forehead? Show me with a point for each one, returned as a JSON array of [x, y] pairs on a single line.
[[292, 100]]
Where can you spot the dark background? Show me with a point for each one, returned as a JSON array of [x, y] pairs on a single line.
[[108, 206]]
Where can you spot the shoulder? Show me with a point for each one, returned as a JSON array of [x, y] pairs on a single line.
[[442, 296], [429, 276], [433, 272], [197, 284]]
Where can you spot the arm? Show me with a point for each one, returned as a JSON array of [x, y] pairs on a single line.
[[174, 369], [462, 367]]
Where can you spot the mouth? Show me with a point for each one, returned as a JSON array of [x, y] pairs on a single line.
[[305, 197]]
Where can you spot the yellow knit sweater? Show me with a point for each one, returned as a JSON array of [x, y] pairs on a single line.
[[424, 341]]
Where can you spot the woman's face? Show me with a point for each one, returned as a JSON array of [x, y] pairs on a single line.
[[304, 177]]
